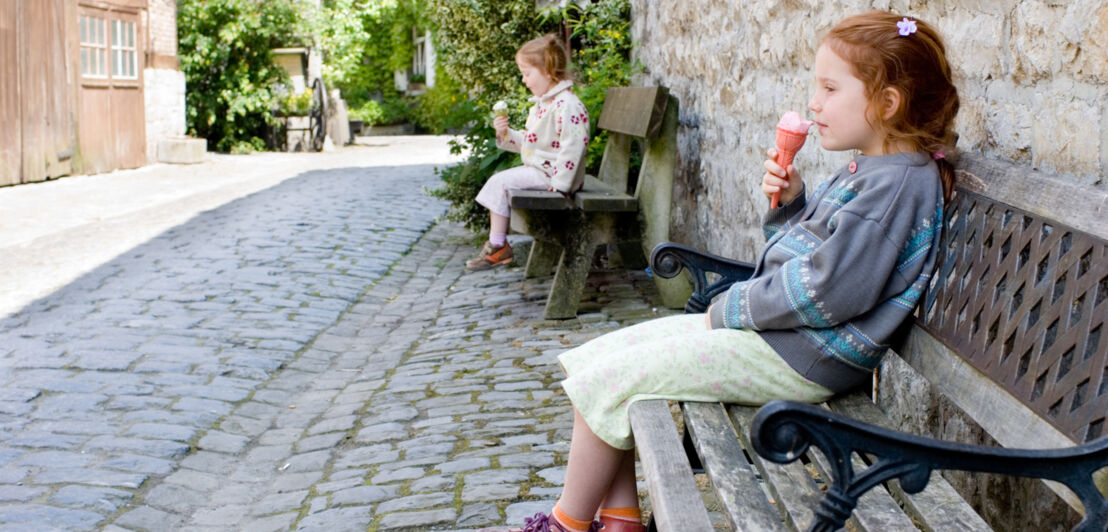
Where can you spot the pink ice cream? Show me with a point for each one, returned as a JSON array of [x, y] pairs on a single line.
[[792, 131]]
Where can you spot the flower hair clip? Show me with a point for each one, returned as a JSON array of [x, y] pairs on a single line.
[[906, 27]]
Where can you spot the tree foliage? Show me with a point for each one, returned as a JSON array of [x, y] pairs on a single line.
[[224, 48], [477, 41]]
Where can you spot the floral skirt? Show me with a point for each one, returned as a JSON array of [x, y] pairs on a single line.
[[677, 358]]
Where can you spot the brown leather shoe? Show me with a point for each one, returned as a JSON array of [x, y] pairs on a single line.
[[490, 257]]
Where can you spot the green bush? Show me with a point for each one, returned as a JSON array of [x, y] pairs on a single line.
[[224, 48], [477, 41], [395, 110], [296, 104]]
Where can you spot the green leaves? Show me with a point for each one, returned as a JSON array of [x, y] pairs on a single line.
[[476, 44], [224, 48]]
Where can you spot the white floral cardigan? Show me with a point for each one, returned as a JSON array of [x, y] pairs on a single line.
[[556, 137]]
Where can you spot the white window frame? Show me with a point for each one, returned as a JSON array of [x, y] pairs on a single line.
[[124, 52], [94, 47]]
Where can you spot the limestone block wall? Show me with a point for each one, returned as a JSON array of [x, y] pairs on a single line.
[[164, 94], [163, 82], [1033, 81], [1032, 75]]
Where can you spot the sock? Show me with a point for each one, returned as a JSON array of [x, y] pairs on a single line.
[[497, 239], [633, 515], [574, 525]]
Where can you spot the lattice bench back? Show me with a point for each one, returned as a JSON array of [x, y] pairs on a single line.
[[1024, 300]]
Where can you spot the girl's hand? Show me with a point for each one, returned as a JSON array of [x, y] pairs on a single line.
[[500, 123], [787, 181]]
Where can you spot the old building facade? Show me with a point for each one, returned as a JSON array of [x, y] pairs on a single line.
[[88, 85]]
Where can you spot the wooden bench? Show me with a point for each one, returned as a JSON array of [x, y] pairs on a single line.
[[1011, 334], [609, 209]]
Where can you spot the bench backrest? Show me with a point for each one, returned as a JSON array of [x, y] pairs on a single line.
[[1012, 330], [630, 112], [648, 113]]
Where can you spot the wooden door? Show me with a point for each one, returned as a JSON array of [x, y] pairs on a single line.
[[37, 138], [11, 140], [47, 127], [112, 114]]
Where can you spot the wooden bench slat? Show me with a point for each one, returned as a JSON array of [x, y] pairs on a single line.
[[596, 201], [594, 196], [727, 466], [539, 200], [675, 500], [938, 506], [624, 106], [795, 492]]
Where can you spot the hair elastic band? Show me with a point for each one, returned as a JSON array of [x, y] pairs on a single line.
[[940, 154], [906, 27]]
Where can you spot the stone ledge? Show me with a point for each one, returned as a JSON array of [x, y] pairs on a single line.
[[182, 150]]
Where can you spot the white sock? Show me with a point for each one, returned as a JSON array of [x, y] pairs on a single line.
[[497, 239]]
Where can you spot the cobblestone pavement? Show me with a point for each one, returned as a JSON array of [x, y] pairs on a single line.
[[311, 356]]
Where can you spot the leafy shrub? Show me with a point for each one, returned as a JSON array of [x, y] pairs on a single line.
[[477, 41], [296, 104], [224, 48], [388, 112]]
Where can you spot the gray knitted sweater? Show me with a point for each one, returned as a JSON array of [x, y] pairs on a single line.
[[843, 270]]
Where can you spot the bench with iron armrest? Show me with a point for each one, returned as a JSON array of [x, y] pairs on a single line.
[[1009, 333]]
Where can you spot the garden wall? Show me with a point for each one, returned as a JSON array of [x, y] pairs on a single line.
[[1032, 76], [1033, 81]]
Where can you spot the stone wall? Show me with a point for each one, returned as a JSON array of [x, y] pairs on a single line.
[[163, 82], [1032, 76], [1033, 81]]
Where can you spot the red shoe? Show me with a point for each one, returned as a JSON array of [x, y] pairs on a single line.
[[609, 524], [490, 257]]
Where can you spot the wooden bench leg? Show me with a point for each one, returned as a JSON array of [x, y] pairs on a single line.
[[569, 280], [543, 258]]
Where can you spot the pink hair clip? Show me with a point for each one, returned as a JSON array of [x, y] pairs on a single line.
[[906, 27], [940, 154]]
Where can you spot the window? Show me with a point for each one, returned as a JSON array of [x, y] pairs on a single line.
[[102, 58], [94, 47], [123, 50]]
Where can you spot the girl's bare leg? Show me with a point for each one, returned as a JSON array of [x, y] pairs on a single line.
[[497, 224], [623, 493], [592, 471]]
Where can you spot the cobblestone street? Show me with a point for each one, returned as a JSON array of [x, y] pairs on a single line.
[[304, 353]]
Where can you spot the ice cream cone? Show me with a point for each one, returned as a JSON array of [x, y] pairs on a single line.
[[792, 131]]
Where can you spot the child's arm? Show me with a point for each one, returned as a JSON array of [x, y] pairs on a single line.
[[572, 141], [507, 138]]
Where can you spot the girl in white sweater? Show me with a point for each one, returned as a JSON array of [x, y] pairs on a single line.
[[552, 145]]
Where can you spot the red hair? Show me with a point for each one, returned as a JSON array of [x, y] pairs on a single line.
[[547, 54], [914, 65]]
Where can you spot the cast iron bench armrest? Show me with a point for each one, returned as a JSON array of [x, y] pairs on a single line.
[[782, 431], [667, 259]]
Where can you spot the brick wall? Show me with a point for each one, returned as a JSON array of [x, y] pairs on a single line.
[[162, 33]]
